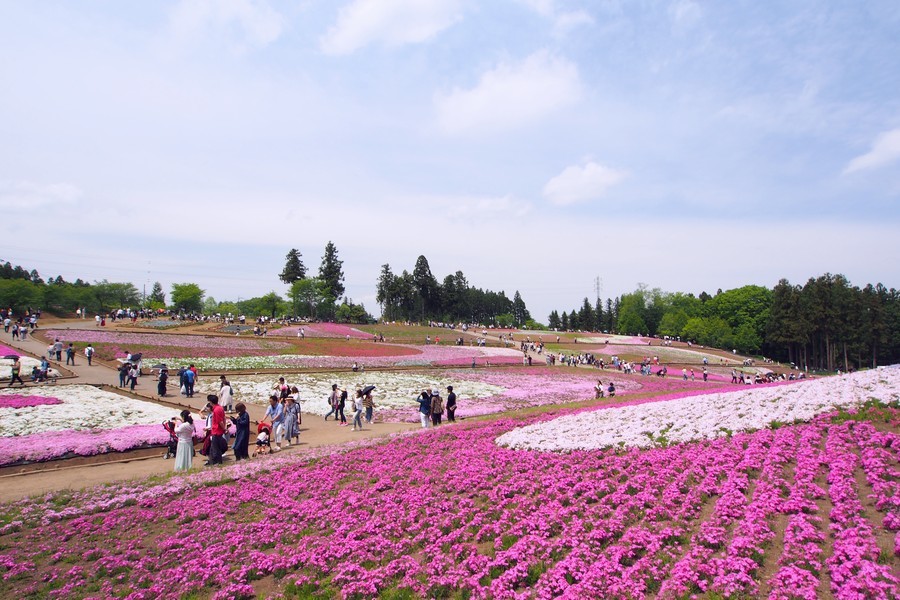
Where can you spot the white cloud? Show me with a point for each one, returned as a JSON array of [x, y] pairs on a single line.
[[542, 7], [567, 21], [580, 183], [885, 150], [486, 207], [389, 22], [27, 196], [563, 21], [684, 14], [511, 95], [258, 22]]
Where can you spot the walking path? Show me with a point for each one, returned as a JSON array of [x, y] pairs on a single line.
[[57, 476]]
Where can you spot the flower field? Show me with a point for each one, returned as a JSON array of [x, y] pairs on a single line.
[[479, 391], [110, 345], [328, 330], [345, 356], [76, 420], [28, 363], [706, 416], [803, 511]]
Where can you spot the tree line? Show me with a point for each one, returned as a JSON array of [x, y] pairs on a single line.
[[418, 296], [825, 324]]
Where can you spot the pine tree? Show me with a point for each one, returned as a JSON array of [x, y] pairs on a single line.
[[157, 295], [293, 268]]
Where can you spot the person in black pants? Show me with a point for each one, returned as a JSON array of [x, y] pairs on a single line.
[[451, 405]]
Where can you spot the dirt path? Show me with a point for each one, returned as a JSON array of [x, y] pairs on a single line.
[[313, 432]]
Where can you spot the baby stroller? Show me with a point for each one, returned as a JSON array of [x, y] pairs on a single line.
[[172, 444], [263, 437]]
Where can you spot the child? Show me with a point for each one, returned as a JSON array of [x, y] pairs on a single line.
[[262, 443]]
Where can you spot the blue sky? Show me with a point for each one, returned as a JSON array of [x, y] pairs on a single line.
[[533, 144]]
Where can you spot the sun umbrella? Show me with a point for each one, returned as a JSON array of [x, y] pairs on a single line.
[[11, 356], [159, 366], [368, 389]]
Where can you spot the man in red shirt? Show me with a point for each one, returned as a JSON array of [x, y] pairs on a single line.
[[217, 445]]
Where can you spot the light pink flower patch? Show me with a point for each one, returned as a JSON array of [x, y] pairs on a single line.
[[329, 330], [51, 445]]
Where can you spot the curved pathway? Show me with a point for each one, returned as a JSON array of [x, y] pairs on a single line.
[[13, 486]]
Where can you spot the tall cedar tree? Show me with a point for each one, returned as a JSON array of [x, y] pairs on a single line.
[[331, 273]]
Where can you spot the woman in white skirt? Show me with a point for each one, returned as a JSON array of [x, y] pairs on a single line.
[[184, 455]]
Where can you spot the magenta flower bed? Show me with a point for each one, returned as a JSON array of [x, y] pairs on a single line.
[[51, 445], [449, 512], [7, 351], [17, 401]]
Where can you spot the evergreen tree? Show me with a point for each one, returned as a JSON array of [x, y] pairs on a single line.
[[564, 321], [586, 317], [427, 286], [384, 292], [157, 295], [599, 319], [293, 267], [520, 313], [553, 321], [331, 272]]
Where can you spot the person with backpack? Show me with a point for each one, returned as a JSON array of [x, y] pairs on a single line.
[[70, 355], [333, 400], [189, 378], [437, 407], [89, 353]]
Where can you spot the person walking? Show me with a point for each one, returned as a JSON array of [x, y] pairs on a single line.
[[275, 414], [369, 405], [291, 420], [226, 396], [161, 382], [16, 372], [123, 373], [70, 354], [89, 354], [133, 376], [342, 404], [437, 408], [184, 431], [357, 411], [241, 446], [451, 405], [189, 378], [333, 400], [58, 349]]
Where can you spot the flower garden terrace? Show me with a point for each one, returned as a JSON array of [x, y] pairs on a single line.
[[805, 510], [227, 353]]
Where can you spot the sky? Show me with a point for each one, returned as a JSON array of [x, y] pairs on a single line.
[[544, 146]]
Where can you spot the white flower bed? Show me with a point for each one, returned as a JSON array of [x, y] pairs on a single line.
[[83, 407], [392, 390], [707, 416], [229, 363], [28, 363]]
